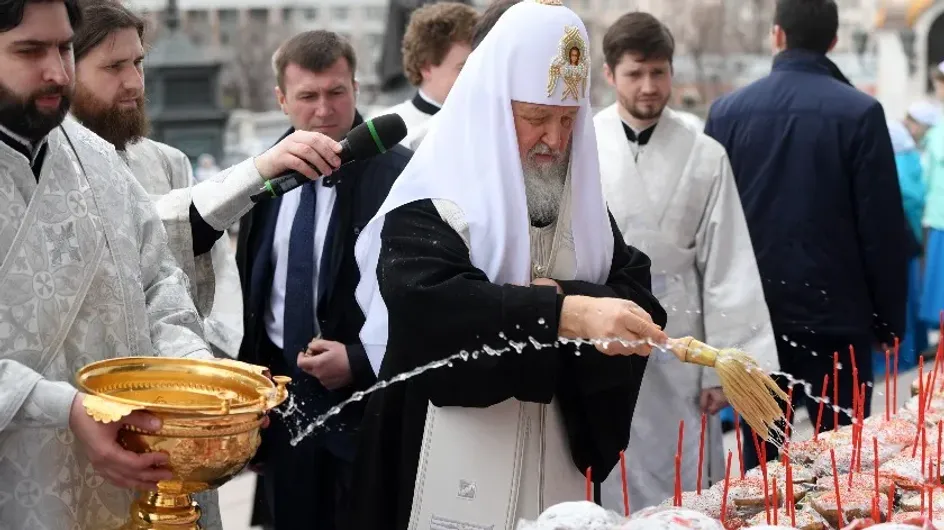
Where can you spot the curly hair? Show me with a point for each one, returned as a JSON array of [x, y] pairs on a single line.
[[432, 31]]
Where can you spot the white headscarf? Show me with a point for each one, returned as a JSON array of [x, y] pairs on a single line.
[[470, 157]]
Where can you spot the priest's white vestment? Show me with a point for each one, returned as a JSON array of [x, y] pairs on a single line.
[[85, 275], [167, 175], [678, 203], [415, 119]]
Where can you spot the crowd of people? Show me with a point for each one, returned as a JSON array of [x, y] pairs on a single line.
[[554, 254]]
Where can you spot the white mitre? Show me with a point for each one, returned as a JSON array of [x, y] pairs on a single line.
[[538, 52]]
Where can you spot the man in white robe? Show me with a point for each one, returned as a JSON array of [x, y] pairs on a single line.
[[672, 193], [109, 100], [493, 275], [435, 47], [85, 274]]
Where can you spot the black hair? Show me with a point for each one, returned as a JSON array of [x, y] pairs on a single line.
[[11, 12], [808, 24], [637, 33], [101, 18]]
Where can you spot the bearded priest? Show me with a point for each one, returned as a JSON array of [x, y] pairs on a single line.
[[482, 270], [109, 100], [85, 275]]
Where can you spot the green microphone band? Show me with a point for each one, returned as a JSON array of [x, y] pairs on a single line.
[[373, 134], [268, 187]]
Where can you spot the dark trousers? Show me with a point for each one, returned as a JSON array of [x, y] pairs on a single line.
[[797, 359], [306, 487]]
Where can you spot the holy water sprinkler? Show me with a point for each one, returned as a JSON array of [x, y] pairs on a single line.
[[749, 389]]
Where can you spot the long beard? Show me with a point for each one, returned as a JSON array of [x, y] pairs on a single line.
[[119, 127], [544, 186], [22, 116]]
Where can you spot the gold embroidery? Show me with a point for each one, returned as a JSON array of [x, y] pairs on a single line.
[[572, 64]]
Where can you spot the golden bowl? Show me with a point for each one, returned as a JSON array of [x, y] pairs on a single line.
[[211, 413]]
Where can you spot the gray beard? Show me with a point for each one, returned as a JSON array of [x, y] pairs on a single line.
[[544, 188]]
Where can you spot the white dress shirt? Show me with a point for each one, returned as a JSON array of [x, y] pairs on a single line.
[[324, 205]]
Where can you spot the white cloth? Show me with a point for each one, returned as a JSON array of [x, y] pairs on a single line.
[[167, 175], [691, 120], [416, 120], [678, 203], [85, 275], [478, 144], [925, 112], [324, 205]]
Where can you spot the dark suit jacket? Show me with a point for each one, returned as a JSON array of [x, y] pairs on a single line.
[[362, 186]]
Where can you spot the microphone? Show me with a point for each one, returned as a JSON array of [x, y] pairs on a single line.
[[369, 139]]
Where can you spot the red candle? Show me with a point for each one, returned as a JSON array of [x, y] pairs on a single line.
[[861, 428], [819, 414], [888, 396], [727, 481], [914, 449], [895, 378], [625, 488], [701, 451], [590, 484], [776, 505], [875, 464], [832, 456], [836, 391]]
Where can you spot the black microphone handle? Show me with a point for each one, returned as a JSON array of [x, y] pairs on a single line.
[[291, 179]]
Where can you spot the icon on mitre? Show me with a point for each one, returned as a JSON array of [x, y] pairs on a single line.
[[571, 65]]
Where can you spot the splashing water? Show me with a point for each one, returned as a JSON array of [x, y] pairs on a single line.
[[293, 409]]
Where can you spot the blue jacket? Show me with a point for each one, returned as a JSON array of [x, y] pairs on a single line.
[[816, 173]]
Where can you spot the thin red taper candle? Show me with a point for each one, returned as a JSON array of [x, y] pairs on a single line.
[[875, 465], [861, 428], [822, 403], [891, 499], [737, 434], [589, 484], [727, 481], [776, 505], [888, 395], [701, 450], [625, 487], [678, 464], [932, 386], [788, 490], [836, 391], [763, 470], [832, 456], [895, 378]]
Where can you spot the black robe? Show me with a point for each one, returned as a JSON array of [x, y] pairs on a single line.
[[439, 304]]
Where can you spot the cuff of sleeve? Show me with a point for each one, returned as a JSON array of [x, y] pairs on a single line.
[[55, 399], [223, 200], [361, 371]]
